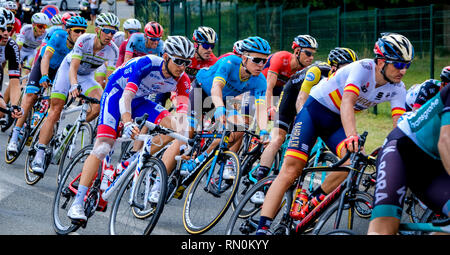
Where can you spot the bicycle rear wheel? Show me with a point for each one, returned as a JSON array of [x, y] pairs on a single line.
[[30, 177], [217, 194], [65, 194], [248, 224], [11, 157]]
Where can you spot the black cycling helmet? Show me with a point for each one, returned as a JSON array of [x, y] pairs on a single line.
[[339, 56], [445, 74]]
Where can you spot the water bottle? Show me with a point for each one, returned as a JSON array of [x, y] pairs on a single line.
[[108, 177], [308, 207], [301, 199]]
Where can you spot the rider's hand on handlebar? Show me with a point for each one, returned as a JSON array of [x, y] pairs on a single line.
[[17, 112], [264, 136], [351, 143], [130, 129], [74, 90]]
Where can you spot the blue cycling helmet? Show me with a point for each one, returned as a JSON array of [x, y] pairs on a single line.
[[76, 21], [255, 44]]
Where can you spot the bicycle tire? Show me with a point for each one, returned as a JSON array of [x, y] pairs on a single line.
[[281, 225], [194, 210], [30, 177], [61, 223], [329, 216], [62, 166], [340, 232]]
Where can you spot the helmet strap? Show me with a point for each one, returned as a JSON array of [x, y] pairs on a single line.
[[196, 51], [383, 72], [244, 65], [166, 65], [298, 59]]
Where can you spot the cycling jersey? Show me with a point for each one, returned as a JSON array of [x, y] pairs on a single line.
[[411, 96], [320, 116], [57, 45], [417, 132], [227, 71], [423, 126], [280, 64], [359, 78], [303, 80], [50, 32], [425, 91], [83, 50], [17, 26], [118, 38], [10, 53], [29, 44], [196, 65], [122, 50], [226, 55], [136, 46], [143, 76]]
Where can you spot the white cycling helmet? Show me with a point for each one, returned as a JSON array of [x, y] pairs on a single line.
[[305, 41], [179, 46], [8, 15], [237, 47], [204, 35], [132, 24], [40, 18], [10, 5], [2, 22], [107, 19], [393, 46], [57, 19]]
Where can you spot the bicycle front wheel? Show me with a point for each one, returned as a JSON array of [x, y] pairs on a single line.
[[215, 192], [65, 194], [132, 212]]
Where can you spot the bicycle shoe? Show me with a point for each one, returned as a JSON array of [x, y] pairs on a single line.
[[37, 166], [228, 172], [76, 212], [258, 198], [12, 147]]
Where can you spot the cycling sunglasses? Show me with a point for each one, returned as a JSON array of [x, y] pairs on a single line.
[[180, 61], [154, 39], [307, 53], [257, 61], [41, 26], [132, 31], [79, 30], [9, 28], [208, 46], [399, 65], [109, 31]]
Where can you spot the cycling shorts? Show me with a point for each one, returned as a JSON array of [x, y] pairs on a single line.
[[313, 121], [398, 168], [27, 57], [61, 84], [110, 116], [286, 110], [33, 86]]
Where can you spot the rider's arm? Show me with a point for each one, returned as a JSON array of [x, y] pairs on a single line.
[[182, 104], [74, 65], [348, 113], [45, 63], [12, 54], [312, 77], [444, 145], [260, 102], [271, 82]]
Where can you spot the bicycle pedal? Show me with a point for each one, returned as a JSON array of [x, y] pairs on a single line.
[[81, 223]]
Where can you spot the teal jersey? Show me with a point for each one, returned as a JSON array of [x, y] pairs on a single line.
[[226, 70], [424, 125], [58, 45]]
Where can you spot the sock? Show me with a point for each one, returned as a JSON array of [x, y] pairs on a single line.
[[262, 172], [81, 193], [15, 134], [264, 225]]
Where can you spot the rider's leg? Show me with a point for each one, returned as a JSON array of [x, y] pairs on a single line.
[[95, 92], [268, 155]]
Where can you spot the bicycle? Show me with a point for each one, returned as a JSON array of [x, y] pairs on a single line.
[[347, 195], [62, 145], [32, 124]]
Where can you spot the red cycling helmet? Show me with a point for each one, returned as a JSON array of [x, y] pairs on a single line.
[[67, 16], [153, 29]]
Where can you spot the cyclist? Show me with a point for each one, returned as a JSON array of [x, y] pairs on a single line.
[[9, 53], [423, 134], [126, 97], [44, 69], [30, 38], [228, 78], [149, 42], [419, 94], [16, 25], [77, 69], [329, 112], [205, 39], [295, 92], [283, 64], [130, 26]]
